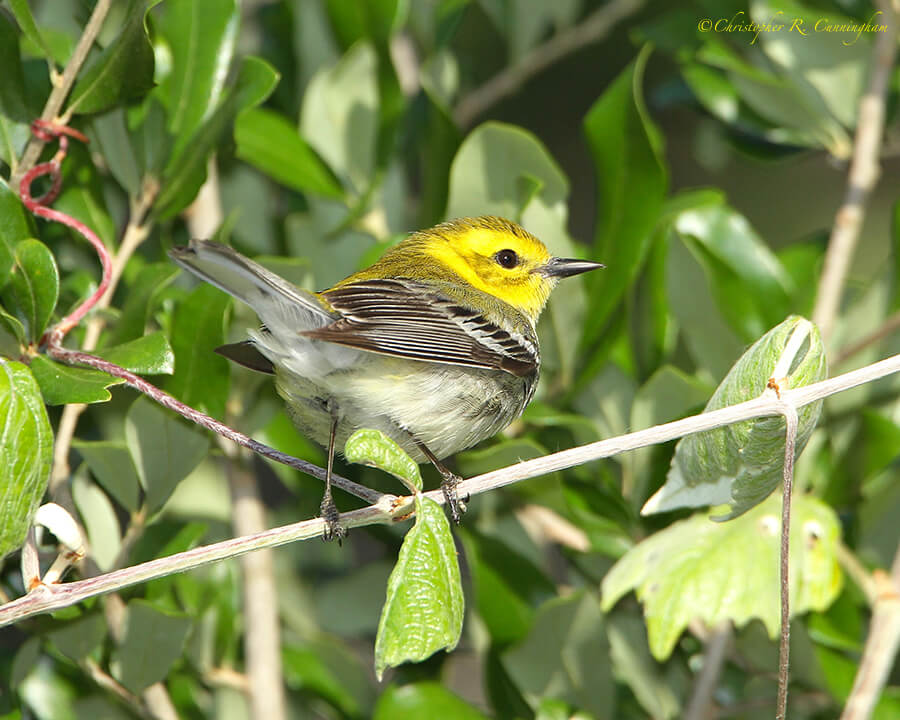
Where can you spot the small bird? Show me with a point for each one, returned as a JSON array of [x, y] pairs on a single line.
[[434, 344]]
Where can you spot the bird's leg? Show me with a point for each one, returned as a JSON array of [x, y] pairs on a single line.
[[449, 481], [333, 528]]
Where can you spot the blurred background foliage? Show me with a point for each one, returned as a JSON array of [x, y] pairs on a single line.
[[703, 168]]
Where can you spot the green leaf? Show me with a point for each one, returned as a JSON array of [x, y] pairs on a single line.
[[163, 447], [507, 586], [80, 637], [33, 288], [112, 466], [423, 701], [148, 355], [198, 327], [109, 132], [63, 384], [423, 612], [152, 642], [15, 226], [330, 671], [631, 186], [185, 171], [271, 143], [347, 95], [122, 72], [12, 89], [141, 299], [516, 159], [375, 449], [14, 327], [29, 27], [741, 464], [201, 35], [26, 452], [13, 137], [566, 636], [749, 284], [697, 569], [100, 520]]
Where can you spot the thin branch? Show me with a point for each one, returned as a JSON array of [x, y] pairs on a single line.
[[864, 171], [887, 328], [790, 441], [881, 646], [61, 89], [590, 30], [389, 508], [858, 572], [714, 656]]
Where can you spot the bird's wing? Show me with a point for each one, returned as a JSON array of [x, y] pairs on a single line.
[[409, 319]]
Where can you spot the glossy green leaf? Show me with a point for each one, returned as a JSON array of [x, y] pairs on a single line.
[[516, 159], [12, 89], [201, 35], [148, 355], [741, 464], [423, 612], [201, 377], [631, 184], [272, 144], [749, 284], [122, 72], [26, 22], [26, 452], [423, 701], [14, 327], [152, 642], [697, 569], [375, 449], [185, 171], [164, 449], [567, 633], [347, 95], [140, 301], [15, 226], [62, 384], [33, 288], [508, 587], [112, 466]]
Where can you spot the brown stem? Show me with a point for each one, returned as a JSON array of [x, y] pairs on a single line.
[[784, 649]]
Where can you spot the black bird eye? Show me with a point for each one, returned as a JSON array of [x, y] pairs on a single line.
[[507, 258]]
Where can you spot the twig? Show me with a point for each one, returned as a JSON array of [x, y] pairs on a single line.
[[389, 508], [61, 89], [109, 683], [864, 171], [784, 649], [713, 659], [593, 28], [888, 327], [857, 571], [881, 646]]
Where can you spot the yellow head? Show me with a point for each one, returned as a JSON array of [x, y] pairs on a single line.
[[490, 254]]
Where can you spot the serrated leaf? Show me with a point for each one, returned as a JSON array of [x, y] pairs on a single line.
[[631, 185], [15, 226], [164, 449], [112, 466], [26, 452], [712, 571], [423, 612], [152, 642], [201, 376], [148, 355], [272, 144], [741, 464], [375, 449], [122, 72], [33, 288], [62, 384]]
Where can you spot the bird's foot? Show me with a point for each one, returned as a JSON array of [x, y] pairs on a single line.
[[456, 506], [333, 528]]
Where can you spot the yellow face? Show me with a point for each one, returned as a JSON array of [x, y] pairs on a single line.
[[497, 257]]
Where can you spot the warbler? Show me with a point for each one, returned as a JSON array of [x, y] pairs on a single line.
[[434, 344]]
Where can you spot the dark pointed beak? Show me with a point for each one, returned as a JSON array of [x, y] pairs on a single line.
[[566, 267]]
